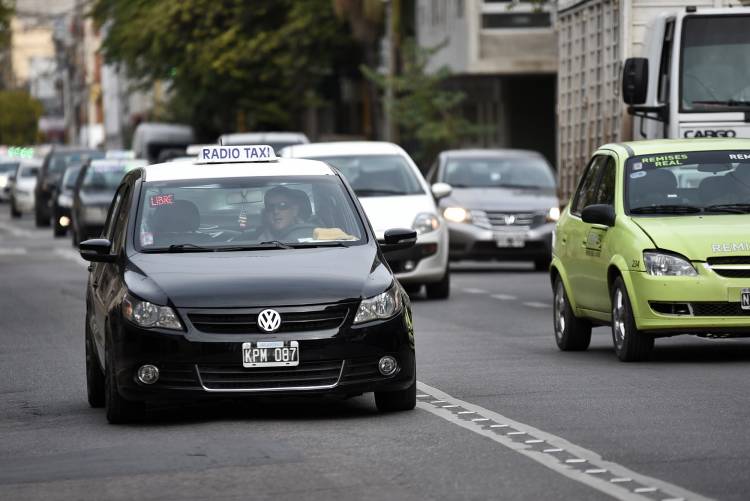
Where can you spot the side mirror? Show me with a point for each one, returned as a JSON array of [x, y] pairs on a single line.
[[97, 249], [599, 214], [398, 239], [635, 80], [441, 190]]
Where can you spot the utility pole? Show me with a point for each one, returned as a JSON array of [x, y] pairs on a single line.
[[393, 20]]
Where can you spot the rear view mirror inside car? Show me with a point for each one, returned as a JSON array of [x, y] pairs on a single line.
[[245, 197]]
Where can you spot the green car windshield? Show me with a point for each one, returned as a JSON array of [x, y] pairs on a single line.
[[714, 182]]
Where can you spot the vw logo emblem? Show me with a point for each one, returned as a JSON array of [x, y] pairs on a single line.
[[510, 219], [269, 320]]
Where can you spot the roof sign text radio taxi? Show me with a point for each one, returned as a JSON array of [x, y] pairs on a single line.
[[223, 154]]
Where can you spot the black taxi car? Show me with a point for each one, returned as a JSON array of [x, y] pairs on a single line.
[[250, 276]]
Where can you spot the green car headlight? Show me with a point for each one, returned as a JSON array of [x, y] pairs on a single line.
[[662, 264]]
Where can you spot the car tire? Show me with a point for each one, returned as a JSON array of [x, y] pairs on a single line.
[[441, 289], [14, 212], [119, 410], [94, 374], [630, 344], [571, 333], [59, 230], [395, 401]]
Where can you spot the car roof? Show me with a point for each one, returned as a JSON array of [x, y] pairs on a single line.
[[343, 148], [485, 152], [656, 146], [187, 170]]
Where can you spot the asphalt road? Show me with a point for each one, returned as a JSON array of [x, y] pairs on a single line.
[[502, 413]]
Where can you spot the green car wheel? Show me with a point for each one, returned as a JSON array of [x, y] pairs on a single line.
[[630, 344], [571, 333]]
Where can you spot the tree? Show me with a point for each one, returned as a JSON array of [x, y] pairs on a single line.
[[6, 12], [260, 63], [19, 117], [427, 113]]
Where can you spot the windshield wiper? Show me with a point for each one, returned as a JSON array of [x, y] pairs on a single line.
[[188, 247], [365, 192], [732, 208], [666, 209], [332, 243]]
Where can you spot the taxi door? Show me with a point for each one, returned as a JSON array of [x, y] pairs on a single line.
[[597, 243], [577, 239]]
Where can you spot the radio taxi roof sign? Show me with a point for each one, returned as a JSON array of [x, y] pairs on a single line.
[[244, 153]]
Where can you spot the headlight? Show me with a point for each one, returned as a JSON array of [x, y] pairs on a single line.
[[425, 223], [660, 264], [553, 215], [457, 214], [145, 314], [382, 306], [3, 181]]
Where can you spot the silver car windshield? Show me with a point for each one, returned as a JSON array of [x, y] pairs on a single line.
[[493, 172], [247, 213], [689, 183]]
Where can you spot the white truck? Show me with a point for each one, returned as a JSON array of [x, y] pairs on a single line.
[[646, 69]]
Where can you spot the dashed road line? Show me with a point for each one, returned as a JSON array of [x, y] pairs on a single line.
[[535, 304], [504, 297], [551, 451], [471, 290]]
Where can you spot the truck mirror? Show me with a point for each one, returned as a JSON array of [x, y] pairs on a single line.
[[635, 80]]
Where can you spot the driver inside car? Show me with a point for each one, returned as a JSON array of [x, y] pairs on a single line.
[[285, 215]]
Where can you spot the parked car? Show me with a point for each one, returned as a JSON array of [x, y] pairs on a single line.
[[8, 167], [155, 140], [55, 162], [22, 187], [394, 194], [503, 204], [276, 140], [62, 200], [93, 192]]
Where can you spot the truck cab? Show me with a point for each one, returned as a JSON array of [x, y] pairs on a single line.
[[693, 80]]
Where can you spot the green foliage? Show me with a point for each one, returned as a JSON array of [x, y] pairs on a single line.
[[6, 12], [19, 117], [224, 59], [427, 113]]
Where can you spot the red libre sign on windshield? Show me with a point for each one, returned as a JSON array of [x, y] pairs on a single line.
[[158, 200]]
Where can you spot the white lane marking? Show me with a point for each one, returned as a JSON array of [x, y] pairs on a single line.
[[576, 471], [535, 304], [471, 290], [646, 489], [504, 297], [571, 461], [496, 425], [620, 480], [13, 251], [480, 419], [534, 441], [71, 255]]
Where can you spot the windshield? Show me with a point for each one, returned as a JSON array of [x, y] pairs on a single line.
[[495, 172], [715, 63], [69, 179], [247, 214], [377, 175], [60, 161], [105, 175], [687, 183], [6, 168]]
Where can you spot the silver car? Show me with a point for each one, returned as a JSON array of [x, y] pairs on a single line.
[[503, 204]]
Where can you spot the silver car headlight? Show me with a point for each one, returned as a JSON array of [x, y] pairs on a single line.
[[661, 264], [145, 314], [380, 307], [457, 214], [553, 215], [425, 223]]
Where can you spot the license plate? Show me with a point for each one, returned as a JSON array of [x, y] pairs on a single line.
[[508, 239], [745, 299], [270, 354]]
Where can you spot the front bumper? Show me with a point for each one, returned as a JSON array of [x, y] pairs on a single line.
[[468, 241], [197, 365], [706, 303]]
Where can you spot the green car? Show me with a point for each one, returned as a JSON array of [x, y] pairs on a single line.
[[655, 242]]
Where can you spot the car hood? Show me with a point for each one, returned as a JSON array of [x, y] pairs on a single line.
[[701, 236], [385, 213], [502, 199], [258, 278]]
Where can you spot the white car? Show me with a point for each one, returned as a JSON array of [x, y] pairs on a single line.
[[276, 140], [22, 189], [394, 194]]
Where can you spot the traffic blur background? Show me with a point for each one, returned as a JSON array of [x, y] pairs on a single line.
[[458, 94]]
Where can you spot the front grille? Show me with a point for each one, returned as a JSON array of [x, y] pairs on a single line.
[[177, 376], [728, 260], [362, 370], [307, 374], [718, 309], [292, 320], [506, 219], [732, 273]]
